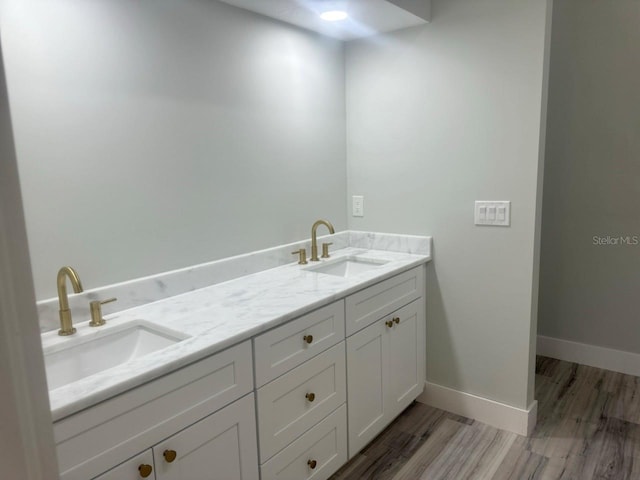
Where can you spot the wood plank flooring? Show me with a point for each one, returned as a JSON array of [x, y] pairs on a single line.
[[588, 428]]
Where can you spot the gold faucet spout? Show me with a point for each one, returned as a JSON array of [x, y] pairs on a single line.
[[66, 322], [314, 239]]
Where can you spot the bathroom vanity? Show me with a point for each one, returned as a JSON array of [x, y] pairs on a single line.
[[281, 374]]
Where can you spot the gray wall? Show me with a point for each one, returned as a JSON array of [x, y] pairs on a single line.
[[440, 116], [591, 293], [153, 135]]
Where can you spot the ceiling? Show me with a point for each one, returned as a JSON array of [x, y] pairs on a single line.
[[366, 17]]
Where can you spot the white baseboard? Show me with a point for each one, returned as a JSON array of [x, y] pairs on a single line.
[[482, 409], [591, 355]]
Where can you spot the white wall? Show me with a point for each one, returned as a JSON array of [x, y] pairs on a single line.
[[27, 451], [591, 293], [437, 117], [153, 135]]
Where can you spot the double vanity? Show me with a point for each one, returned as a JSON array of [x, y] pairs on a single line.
[[284, 373]]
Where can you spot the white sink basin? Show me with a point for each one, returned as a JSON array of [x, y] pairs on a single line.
[[82, 356], [347, 266]]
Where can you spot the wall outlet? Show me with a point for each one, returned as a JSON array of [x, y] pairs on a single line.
[[493, 213], [357, 206]]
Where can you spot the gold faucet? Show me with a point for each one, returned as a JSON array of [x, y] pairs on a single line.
[[314, 240], [66, 323]]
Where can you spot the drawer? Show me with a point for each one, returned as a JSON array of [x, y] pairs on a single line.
[[326, 444], [365, 307], [92, 441], [285, 408], [286, 347]]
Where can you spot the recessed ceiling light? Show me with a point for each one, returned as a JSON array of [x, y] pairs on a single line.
[[334, 15]]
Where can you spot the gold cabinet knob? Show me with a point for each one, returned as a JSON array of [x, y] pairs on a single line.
[[312, 464], [310, 396], [389, 323], [145, 470], [396, 319], [169, 455], [308, 338]]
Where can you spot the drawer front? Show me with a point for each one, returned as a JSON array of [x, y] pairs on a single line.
[[288, 346], [365, 307], [92, 441], [294, 402], [326, 444], [132, 469]]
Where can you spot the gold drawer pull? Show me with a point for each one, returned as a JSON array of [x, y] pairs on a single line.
[[396, 319], [169, 455], [312, 464], [308, 338], [310, 396], [145, 470], [389, 323]]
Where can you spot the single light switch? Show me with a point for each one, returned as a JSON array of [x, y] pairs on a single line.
[[494, 213]]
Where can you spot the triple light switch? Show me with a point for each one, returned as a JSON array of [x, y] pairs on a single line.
[[493, 213]]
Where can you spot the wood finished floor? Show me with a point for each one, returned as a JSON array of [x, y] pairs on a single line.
[[588, 428]]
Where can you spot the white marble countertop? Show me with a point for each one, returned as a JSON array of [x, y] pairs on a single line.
[[216, 318]]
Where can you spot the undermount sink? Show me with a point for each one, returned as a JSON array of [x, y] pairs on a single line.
[[347, 266], [77, 358]]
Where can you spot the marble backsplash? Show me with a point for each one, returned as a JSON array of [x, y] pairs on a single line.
[[149, 289]]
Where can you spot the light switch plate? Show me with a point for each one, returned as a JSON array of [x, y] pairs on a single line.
[[357, 205], [493, 213]]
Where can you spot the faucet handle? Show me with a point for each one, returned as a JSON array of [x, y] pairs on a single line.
[[96, 311], [325, 250], [302, 256]]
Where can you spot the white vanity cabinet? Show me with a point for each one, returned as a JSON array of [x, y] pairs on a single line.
[[386, 359], [326, 383], [94, 440], [222, 445]]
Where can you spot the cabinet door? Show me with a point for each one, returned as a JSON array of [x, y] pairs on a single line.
[[137, 468], [367, 377], [406, 357], [221, 446]]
